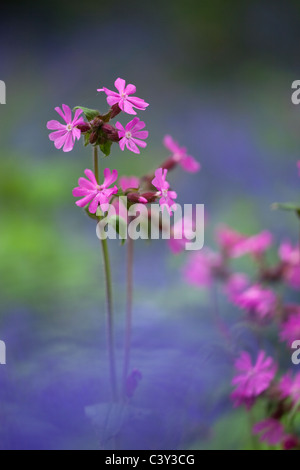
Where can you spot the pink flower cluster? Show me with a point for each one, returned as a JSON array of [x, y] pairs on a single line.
[[98, 131]]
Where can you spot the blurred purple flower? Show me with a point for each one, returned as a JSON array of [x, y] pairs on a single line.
[[166, 197], [271, 430], [252, 380], [290, 329], [180, 155], [258, 302]]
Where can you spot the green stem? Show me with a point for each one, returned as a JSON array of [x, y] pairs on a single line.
[[96, 163], [128, 328], [109, 302], [110, 322]]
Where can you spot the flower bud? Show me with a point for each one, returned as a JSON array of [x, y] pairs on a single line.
[[150, 197], [136, 198], [93, 137], [96, 123], [169, 164], [115, 110], [84, 127], [111, 132]]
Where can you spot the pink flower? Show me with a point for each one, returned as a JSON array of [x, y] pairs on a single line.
[[166, 196], [290, 329], [271, 430], [132, 134], [92, 192], [65, 134], [125, 102], [252, 380], [235, 285], [290, 258], [256, 245], [260, 303], [181, 233], [290, 387], [180, 155], [228, 238], [129, 182], [201, 266]]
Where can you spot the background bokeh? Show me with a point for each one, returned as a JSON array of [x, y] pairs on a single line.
[[218, 78]]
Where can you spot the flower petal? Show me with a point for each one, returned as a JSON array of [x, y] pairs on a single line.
[[57, 134], [130, 89], [84, 202], [109, 177], [68, 113], [91, 176], [60, 141], [55, 125], [141, 143], [141, 134], [120, 85], [111, 100], [69, 144], [132, 146]]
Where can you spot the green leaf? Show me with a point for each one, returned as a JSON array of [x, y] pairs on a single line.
[[289, 206], [86, 139], [90, 114], [106, 147], [92, 216]]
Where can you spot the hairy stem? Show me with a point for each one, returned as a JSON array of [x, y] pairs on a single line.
[[128, 328], [110, 322], [109, 301]]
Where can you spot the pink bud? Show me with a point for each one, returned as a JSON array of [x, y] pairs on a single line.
[[85, 127]]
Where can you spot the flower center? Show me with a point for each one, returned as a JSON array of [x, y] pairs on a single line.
[[177, 157], [123, 96], [165, 193], [99, 188], [69, 127], [128, 135]]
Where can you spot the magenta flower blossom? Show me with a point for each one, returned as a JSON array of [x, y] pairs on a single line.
[[290, 387], [290, 329], [132, 134], [181, 233], [95, 194], [258, 302], [271, 430], [125, 102], [180, 155], [129, 182], [252, 380], [236, 284], [166, 197], [228, 239], [65, 134], [201, 267], [255, 245], [290, 258]]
